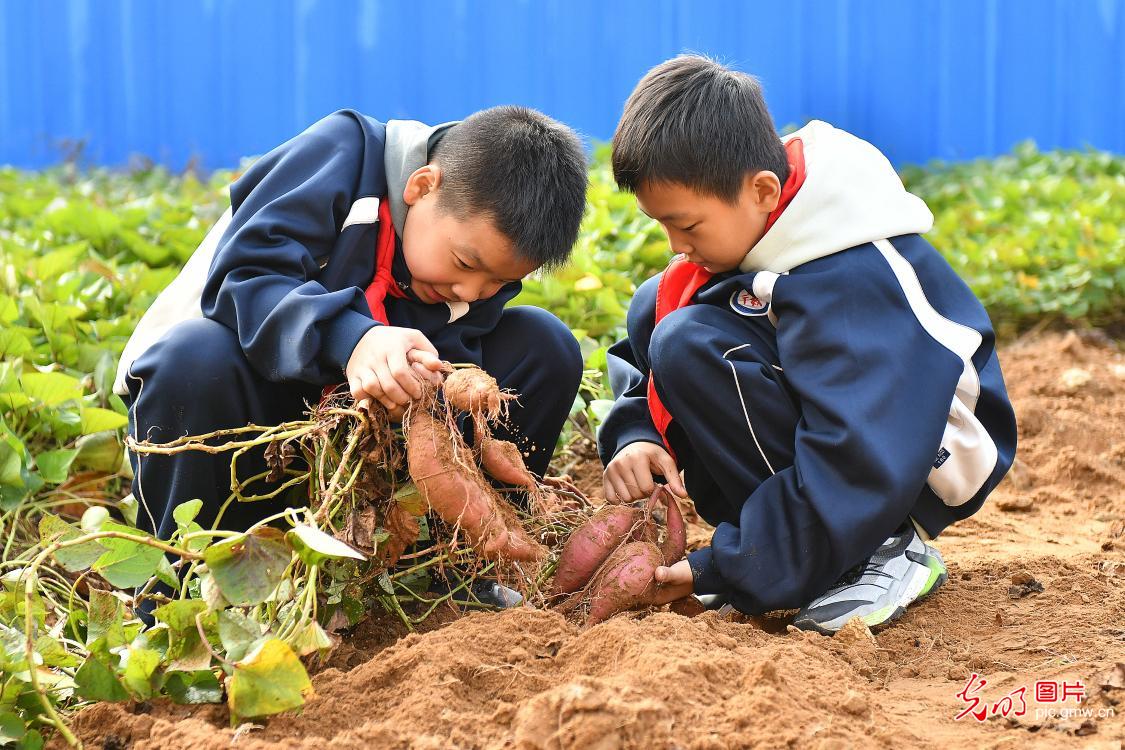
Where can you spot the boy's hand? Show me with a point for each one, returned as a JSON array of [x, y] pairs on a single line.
[[629, 475], [389, 365], [673, 582]]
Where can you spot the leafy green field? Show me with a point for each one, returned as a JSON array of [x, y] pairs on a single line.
[[1039, 236]]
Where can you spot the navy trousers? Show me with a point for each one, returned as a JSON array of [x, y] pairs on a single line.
[[735, 417], [197, 380]]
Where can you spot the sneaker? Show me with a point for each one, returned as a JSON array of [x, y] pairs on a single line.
[[903, 570], [496, 595], [481, 591]]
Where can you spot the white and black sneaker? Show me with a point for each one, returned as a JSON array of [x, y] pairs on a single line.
[[903, 570]]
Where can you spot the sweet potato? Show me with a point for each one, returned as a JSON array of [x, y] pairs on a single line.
[[675, 535], [473, 390], [460, 495], [592, 543], [502, 461], [614, 557], [627, 580]]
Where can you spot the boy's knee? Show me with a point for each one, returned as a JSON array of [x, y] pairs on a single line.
[[547, 338], [195, 357], [682, 342]]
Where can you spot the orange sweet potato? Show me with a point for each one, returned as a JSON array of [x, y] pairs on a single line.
[[473, 390], [459, 494], [502, 461]]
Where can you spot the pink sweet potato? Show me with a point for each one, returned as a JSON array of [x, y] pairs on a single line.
[[675, 535], [626, 581], [460, 495], [590, 544]]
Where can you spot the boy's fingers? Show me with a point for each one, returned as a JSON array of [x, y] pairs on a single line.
[[369, 385], [403, 374], [419, 341], [643, 478], [666, 465], [430, 360], [356, 389], [426, 375], [426, 364], [607, 490], [391, 389], [620, 490]]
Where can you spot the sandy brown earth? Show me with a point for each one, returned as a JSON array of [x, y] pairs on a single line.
[[529, 679]]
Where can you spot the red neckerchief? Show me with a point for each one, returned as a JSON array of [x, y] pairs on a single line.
[[682, 279], [383, 282]]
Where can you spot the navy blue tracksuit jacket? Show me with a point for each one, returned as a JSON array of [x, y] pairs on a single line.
[[270, 307], [841, 380]]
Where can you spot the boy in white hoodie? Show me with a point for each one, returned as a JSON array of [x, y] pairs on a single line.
[[824, 380]]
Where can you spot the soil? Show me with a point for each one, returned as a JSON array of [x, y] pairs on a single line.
[[1036, 593]]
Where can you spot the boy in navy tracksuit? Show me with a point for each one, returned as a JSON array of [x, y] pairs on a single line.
[[827, 384], [360, 252]]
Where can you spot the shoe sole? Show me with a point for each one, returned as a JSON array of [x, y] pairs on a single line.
[[926, 580]]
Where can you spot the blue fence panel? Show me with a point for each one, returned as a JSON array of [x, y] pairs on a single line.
[[214, 80]]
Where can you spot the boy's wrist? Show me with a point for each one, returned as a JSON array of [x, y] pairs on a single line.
[[342, 335], [705, 575]]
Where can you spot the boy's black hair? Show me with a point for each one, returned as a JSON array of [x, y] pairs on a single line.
[[695, 122], [525, 171]]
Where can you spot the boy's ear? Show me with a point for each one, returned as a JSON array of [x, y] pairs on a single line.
[[423, 181], [764, 190]]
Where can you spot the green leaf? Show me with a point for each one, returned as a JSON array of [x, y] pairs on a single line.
[[76, 558], [51, 388], [99, 451], [179, 615], [31, 741], [52, 265], [96, 681], [14, 343], [140, 666], [238, 633], [271, 679], [12, 463], [55, 465], [107, 618], [248, 568], [54, 653], [193, 687], [126, 563], [186, 650], [11, 728], [166, 574], [311, 638], [185, 513], [314, 546], [97, 419]]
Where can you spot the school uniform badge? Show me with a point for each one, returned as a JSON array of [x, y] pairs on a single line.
[[745, 303]]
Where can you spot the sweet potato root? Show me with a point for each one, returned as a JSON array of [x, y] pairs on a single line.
[[502, 461], [459, 494], [473, 390], [592, 543]]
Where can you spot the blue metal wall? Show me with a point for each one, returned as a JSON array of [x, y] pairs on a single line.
[[219, 79]]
